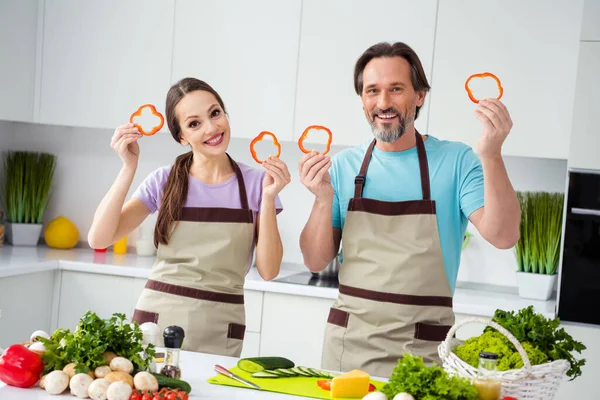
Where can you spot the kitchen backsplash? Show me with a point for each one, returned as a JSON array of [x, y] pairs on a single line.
[[87, 167]]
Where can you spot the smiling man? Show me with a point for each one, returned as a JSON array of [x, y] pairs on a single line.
[[399, 204]]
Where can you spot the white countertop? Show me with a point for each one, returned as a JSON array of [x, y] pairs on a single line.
[[468, 299], [196, 369]]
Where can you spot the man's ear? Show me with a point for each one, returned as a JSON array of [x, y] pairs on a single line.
[[421, 98]]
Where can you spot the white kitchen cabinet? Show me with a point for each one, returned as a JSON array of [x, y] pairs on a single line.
[[102, 59], [332, 39], [519, 42], [25, 306], [247, 51], [585, 135], [251, 345], [293, 327], [101, 294], [18, 46], [591, 20]]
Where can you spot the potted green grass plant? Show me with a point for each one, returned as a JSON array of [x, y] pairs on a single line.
[[27, 179], [538, 248]]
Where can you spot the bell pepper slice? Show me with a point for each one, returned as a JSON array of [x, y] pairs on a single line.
[[326, 385], [258, 139], [483, 75], [20, 367], [155, 128], [305, 135]]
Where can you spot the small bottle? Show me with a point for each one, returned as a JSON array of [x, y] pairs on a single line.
[[488, 382], [173, 338]]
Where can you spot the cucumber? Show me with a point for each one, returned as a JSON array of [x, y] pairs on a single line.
[[258, 364], [286, 372], [265, 374], [165, 381], [317, 373], [307, 371], [300, 372], [276, 372]]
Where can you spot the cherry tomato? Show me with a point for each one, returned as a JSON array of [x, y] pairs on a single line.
[[157, 397], [135, 396], [147, 397], [371, 387]]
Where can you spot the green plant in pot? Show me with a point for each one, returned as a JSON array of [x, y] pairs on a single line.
[[27, 179], [538, 249]]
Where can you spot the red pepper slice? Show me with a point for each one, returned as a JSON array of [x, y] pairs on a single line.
[[305, 134], [324, 384], [20, 366], [483, 75], [154, 129], [258, 139]]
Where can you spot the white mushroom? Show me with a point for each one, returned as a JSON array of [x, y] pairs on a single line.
[[375, 396], [98, 389], [56, 382], [79, 385], [41, 381], [145, 381], [102, 371], [37, 347], [119, 391], [34, 336], [403, 396], [121, 364]]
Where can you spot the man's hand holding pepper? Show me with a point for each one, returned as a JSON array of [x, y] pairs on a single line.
[[496, 123], [314, 174]]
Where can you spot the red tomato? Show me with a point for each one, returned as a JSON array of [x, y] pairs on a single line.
[[147, 397], [371, 387], [157, 397], [171, 396], [135, 396]]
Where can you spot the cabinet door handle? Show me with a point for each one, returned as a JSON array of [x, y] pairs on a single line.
[[585, 211]]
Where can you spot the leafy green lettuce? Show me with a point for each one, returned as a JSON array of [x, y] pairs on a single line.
[[412, 376]]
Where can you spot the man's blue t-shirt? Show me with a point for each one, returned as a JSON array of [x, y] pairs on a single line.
[[456, 178]]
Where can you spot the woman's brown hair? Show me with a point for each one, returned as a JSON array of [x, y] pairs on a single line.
[[176, 188], [398, 49]]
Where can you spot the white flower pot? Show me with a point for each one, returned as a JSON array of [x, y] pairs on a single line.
[[536, 286], [23, 234]]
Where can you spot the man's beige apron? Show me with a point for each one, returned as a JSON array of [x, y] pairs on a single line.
[[197, 281], [394, 296]]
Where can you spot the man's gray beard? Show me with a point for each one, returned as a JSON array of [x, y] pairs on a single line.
[[389, 135]]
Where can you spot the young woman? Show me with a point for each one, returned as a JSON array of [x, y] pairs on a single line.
[[212, 214]]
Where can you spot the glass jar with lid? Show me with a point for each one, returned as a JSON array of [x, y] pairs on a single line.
[[487, 381]]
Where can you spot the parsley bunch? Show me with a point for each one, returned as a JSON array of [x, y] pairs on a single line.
[[412, 376], [91, 339], [544, 334]]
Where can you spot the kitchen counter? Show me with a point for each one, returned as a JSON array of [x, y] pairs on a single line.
[[469, 299], [196, 369]]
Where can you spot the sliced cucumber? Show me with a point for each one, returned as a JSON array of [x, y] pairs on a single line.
[[258, 364], [286, 372], [276, 372], [307, 371], [316, 372], [300, 372], [265, 374]]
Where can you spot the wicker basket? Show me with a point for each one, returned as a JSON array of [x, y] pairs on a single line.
[[538, 382]]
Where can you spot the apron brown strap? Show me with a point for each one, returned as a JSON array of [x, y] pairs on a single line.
[[359, 181], [241, 185]]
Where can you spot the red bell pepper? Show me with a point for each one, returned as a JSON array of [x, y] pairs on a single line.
[[20, 366]]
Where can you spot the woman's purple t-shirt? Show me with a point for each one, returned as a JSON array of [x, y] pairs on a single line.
[[201, 194]]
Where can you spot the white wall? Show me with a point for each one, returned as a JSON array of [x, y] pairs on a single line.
[[87, 166]]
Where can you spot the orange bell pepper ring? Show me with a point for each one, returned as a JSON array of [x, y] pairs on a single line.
[[483, 75], [258, 139], [305, 134], [155, 128]]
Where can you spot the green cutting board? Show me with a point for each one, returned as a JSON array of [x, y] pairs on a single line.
[[298, 386]]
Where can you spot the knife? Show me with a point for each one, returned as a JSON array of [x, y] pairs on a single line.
[[230, 374]]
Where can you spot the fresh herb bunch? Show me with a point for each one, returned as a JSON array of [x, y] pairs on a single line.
[[412, 376], [528, 326], [91, 339]]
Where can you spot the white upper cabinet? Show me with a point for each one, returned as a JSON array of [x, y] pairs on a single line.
[[591, 20], [102, 59], [334, 34], [532, 47], [18, 44], [585, 136], [247, 51]]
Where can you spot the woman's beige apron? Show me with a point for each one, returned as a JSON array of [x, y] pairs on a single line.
[[197, 281], [394, 296]]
